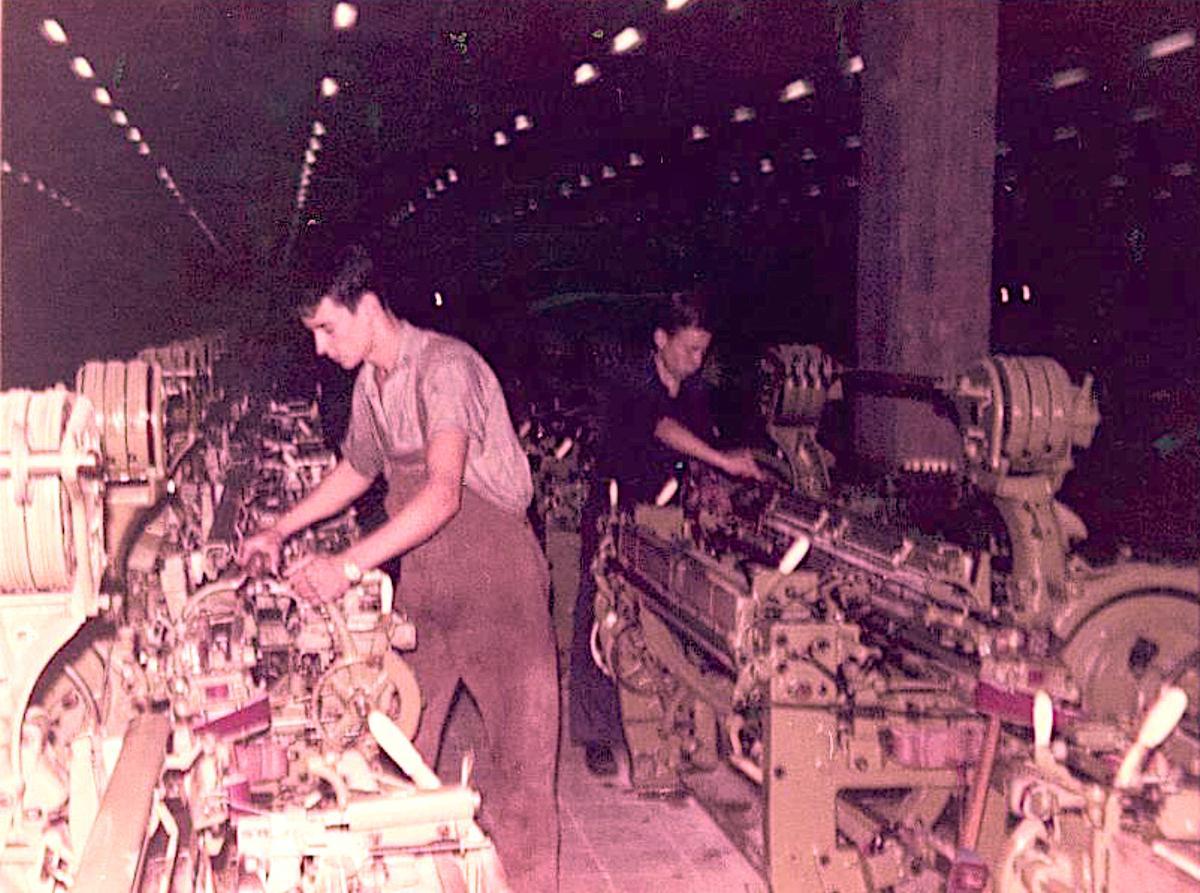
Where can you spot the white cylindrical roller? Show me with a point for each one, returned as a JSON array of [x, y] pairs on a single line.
[[668, 491], [397, 746], [795, 554]]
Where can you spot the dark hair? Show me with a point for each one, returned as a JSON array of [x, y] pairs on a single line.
[[685, 309], [342, 277]]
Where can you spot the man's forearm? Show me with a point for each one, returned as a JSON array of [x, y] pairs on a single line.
[[684, 441], [340, 487], [420, 518]]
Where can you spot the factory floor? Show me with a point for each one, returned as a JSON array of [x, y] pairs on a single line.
[[616, 842], [612, 840]]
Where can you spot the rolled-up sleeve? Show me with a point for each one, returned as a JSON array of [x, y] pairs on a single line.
[[360, 446], [451, 395]]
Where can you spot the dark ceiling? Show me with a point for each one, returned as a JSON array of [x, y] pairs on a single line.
[[225, 94]]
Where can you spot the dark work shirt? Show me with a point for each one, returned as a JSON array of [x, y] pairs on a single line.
[[630, 453]]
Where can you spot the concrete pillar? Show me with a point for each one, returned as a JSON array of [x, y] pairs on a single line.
[[925, 218]]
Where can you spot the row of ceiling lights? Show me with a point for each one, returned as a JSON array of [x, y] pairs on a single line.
[[629, 39], [344, 17], [1156, 49], [38, 185], [56, 35]]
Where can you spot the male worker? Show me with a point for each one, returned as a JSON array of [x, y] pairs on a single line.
[[656, 421], [428, 413]]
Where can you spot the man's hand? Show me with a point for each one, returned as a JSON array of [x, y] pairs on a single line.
[[318, 578], [266, 543], [740, 463]]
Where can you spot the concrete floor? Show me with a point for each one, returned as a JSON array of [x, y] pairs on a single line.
[[616, 842], [612, 840]]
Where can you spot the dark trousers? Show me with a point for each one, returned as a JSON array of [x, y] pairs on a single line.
[[478, 593], [594, 711]]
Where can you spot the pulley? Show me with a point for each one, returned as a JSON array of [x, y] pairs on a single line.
[[51, 508], [130, 412]]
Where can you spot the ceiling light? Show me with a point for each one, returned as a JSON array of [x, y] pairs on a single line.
[[439, 185], [163, 174], [585, 74], [1026, 293], [735, 177], [53, 31], [39, 185], [118, 117], [451, 175], [807, 154], [1003, 294], [428, 194], [796, 90], [853, 141], [628, 39], [314, 144], [608, 172], [699, 132], [329, 87], [522, 122], [144, 149], [82, 68], [133, 135], [412, 207], [565, 189], [438, 300], [1172, 43], [1183, 169], [345, 15], [766, 165], [1067, 132], [101, 96], [813, 191], [318, 128], [1068, 77], [584, 181], [24, 178], [53, 193], [854, 65], [5, 167], [636, 160], [674, 5], [742, 114], [500, 138], [310, 157]]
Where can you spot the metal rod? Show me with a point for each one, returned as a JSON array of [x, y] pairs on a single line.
[[113, 853], [974, 819]]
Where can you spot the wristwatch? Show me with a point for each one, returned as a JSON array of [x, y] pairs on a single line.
[[353, 573]]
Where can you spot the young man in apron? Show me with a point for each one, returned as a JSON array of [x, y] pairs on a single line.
[[428, 413]]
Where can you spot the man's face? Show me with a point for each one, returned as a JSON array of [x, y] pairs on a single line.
[[683, 353], [338, 333]]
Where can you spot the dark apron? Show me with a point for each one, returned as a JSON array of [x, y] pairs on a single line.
[[478, 592]]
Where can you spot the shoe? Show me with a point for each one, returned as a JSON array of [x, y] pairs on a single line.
[[599, 759]]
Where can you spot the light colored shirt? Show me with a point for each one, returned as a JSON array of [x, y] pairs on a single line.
[[438, 382]]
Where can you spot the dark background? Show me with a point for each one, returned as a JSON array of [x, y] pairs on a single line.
[[1095, 198]]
